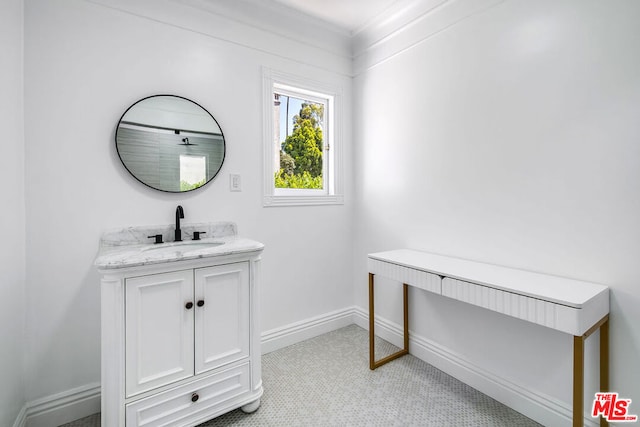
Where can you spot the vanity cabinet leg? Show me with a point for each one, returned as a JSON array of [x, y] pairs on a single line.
[[251, 407]]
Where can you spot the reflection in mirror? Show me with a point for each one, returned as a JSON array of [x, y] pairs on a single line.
[[170, 143]]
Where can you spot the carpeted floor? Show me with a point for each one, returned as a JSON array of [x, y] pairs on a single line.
[[326, 381]]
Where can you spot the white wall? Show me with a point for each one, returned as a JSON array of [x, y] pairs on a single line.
[[85, 64], [509, 136], [12, 223]]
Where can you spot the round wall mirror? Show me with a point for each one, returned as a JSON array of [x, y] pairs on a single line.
[[170, 143]]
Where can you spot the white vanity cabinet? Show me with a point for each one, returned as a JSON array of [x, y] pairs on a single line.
[[180, 339], [176, 326]]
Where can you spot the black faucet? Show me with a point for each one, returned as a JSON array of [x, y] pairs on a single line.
[[179, 214]]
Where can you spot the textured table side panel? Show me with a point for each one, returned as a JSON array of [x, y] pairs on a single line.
[[532, 310], [593, 311]]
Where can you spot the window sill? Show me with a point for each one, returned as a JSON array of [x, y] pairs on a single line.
[[269, 201]]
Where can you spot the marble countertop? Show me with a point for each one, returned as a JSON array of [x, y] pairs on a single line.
[[131, 247]]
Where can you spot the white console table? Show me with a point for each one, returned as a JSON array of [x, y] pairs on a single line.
[[571, 306]]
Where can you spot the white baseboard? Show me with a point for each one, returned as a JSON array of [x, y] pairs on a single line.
[[51, 411], [61, 408], [64, 407], [539, 407], [284, 336]]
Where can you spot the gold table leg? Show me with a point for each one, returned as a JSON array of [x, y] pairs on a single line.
[[578, 380], [373, 364], [604, 361], [578, 369]]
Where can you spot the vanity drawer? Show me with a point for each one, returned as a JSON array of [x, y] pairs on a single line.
[[215, 394], [545, 313], [411, 276]]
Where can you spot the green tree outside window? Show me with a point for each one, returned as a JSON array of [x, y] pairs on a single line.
[[301, 154]]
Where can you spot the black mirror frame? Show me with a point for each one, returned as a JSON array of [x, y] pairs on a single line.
[[224, 143]]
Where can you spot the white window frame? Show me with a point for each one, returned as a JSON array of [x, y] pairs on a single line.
[[295, 86]]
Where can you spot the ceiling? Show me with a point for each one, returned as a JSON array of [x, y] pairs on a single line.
[[351, 15]]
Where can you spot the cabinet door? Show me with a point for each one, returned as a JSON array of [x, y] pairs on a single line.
[[159, 330], [222, 319]]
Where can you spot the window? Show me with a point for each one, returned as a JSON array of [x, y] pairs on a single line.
[[193, 172], [302, 156]]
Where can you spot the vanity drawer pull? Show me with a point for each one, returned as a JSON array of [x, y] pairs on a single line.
[[189, 305], [200, 303], [195, 397]]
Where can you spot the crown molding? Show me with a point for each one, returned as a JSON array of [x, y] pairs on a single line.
[[273, 28], [393, 19], [256, 25], [278, 19], [415, 22]]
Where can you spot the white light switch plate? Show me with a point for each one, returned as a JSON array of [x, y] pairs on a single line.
[[235, 183]]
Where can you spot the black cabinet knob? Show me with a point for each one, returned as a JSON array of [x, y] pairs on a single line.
[[195, 397], [189, 305], [200, 303]]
